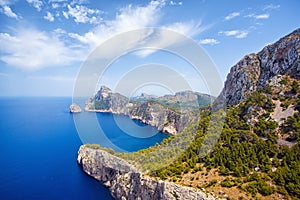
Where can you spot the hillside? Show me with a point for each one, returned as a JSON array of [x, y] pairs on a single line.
[[257, 155]]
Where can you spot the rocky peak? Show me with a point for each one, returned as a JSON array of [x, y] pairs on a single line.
[[254, 70], [103, 92]]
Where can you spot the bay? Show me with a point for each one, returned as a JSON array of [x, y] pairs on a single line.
[[39, 144]]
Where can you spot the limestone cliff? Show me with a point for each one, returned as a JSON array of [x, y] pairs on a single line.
[[126, 182], [169, 113], [255, 70]]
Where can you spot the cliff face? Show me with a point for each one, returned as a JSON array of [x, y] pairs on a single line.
[[169, 113], [254, 70], [126, 182]]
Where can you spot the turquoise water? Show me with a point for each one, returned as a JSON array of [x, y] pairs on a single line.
[[39, 144]]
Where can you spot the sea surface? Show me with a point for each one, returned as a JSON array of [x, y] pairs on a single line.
[[39, 143]]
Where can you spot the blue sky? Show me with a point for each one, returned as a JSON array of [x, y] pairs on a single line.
[[43, 43]]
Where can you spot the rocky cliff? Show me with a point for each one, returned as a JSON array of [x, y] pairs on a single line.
[[255, 70], [126, 182], [169, 113]]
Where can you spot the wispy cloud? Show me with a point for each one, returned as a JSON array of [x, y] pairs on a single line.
[[49, 17], [271, 7], [235, 33], [8, 12], [128, 18], [83, 14], [135, 17], [173, 3], [232, 15], [5, 9], [210, 41], [36, 4], [260, 16], [33, 49]]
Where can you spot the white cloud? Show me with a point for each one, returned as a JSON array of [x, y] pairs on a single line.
[[189, 29], [271, 7], [33, 49], [235, 33], [8, 12], [136, 17], [262, 16], [127, 19], [55, 5], [49, 17], [210, 41], [65, 14], [5, 9], [173, 3], [36, 3], [232, 15], [82, 14]]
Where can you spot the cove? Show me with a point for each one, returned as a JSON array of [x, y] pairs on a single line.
[[39, 144]]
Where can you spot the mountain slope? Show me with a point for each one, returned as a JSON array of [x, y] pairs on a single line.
[[258, 151], [254, 70]]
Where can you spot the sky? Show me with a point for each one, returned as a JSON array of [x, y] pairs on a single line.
[[44, 44]]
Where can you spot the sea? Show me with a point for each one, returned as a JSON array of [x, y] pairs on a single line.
[[39, 141]]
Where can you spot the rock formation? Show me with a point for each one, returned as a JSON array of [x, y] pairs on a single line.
[[254, 70], [168, 114], [74, 108], [126, 182]]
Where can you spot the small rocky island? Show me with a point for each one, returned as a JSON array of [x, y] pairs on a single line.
[[74, 108]]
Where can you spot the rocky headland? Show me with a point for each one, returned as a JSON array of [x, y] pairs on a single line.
[[126, 182], [168, 114]]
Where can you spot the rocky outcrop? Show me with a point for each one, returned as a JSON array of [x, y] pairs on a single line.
[[74, 108], [126, 182], [254, 70], [169, 113]]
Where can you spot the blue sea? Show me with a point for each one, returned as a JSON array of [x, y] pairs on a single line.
[[39, 143]]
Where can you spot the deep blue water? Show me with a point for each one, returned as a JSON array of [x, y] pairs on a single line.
[[39, 144]]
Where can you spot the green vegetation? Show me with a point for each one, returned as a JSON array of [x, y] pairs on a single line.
[[246, 152], [93, 146], [101, 105]]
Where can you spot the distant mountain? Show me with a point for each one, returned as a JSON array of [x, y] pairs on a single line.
[[169, 113], [185, 100]]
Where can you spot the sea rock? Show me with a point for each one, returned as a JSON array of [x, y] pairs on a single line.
[[74, 108], [255, 70], [126, 182]]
